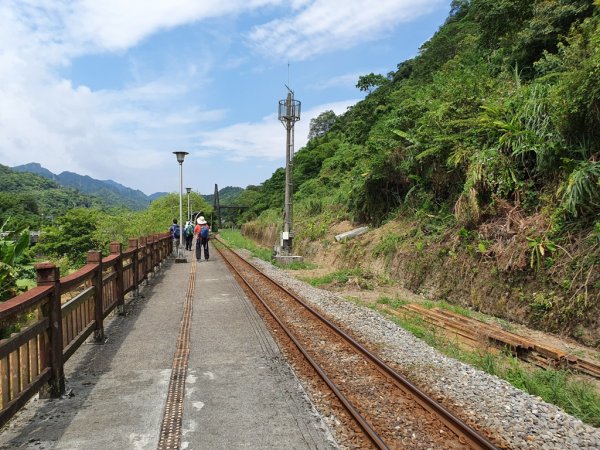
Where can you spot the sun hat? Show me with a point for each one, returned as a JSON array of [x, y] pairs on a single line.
[[201, 220]]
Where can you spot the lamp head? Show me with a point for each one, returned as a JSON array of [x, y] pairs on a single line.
[[180, 156]]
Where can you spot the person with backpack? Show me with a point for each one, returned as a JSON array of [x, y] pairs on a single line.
[[202, 232], [188, 233], [175, 234]]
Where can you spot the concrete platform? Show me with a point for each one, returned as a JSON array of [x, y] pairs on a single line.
[[240, 393]]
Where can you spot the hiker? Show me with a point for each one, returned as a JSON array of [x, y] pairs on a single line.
[[202, 232], [175, 234], [188, 233]]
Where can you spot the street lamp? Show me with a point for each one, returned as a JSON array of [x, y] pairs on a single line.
[[180, 157], [189, 212]]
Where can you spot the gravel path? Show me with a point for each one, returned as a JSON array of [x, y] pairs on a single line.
[[524, 421]]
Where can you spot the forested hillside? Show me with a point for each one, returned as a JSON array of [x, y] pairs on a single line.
[[30, 200], [480, 160]]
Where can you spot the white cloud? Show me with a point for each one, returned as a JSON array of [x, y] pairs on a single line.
[[264, 139], [49, 119], [324, 26], [345, 80], [104, 133], [70, 28]]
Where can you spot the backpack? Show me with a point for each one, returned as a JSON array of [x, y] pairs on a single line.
[[189, 230], [176, 232], [204, 232]]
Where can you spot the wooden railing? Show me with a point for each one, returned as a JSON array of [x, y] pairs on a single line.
[[61, 313]]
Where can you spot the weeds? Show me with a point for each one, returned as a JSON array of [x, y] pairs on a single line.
[[430, 304], [391, 302], [387, 245], [339, 277], [539, 246], [235, 239], [296, 265], [558, 387]]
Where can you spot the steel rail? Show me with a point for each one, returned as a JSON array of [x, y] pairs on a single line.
[[375, 438], [462, 430]]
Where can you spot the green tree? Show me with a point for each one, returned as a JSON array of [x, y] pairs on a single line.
[[321, 124], [370, 82], [72, 236], [12, 254]]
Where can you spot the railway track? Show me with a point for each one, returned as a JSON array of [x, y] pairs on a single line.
[[380, 407]]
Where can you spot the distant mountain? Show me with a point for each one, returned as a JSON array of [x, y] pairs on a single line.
[[111, 192], [35, 168], [156, 195]]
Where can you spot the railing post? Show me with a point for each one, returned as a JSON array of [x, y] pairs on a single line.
[[49, 275], [133, 245], [95, 257], [158, 249], [144, 261], [150, 244], [156, 256], [165, 248], [162, 249], [116, 249]]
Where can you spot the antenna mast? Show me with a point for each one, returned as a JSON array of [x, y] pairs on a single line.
[[289, 114]]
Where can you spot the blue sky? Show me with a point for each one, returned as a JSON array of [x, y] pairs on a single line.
[[111, 88]]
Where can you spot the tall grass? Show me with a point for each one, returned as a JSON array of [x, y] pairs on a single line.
[[234, 239], [339, 276]]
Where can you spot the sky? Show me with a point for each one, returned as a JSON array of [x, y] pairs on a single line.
[[112, 88]]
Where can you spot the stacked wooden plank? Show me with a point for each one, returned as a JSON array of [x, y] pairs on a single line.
[[475, 333]]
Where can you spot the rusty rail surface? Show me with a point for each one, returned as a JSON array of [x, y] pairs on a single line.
[[61, 313], [460, 428]]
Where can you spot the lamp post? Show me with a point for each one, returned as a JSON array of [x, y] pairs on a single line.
[[189, 214], [180, 157]]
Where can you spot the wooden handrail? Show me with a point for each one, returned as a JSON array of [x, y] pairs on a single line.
[[61, 327], [23, 302]]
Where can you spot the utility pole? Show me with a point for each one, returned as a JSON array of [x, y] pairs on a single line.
[[289, 114], [217, 206]]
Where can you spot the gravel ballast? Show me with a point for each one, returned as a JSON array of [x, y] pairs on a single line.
[[520, 419]]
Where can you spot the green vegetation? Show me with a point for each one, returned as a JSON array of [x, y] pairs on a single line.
[[73, 233], [559, 387], [391, 302], [32, 201], [486, 145], [429, 304], [15, 271], [298, 266], [340, 277], [234, 239], [72, 236]]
